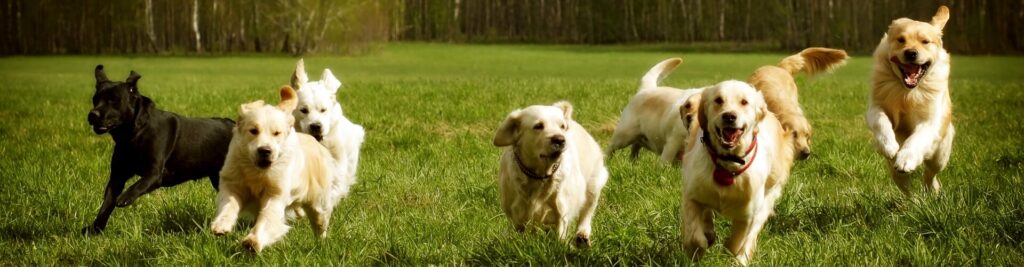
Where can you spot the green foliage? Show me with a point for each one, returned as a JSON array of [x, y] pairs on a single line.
[[427, 192]]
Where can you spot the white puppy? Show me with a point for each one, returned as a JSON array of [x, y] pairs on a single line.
[[737, 168], [271, 169], [552, 170], [319, 114], [909, 109], [652, 119]]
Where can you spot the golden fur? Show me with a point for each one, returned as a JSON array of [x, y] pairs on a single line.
[[909, 108], [750, 200], [574, 188], [271, 170], [780, 91], [651, 120]]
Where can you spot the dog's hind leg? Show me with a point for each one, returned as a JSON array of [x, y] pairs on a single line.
[[938, 162], [119, 175]]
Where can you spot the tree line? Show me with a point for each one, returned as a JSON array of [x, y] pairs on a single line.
[[354, 26]]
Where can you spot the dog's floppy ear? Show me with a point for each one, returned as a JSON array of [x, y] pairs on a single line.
[[328, 80], [299, 76], [133, 81], [940, 18], [566, 108], [508, 131], [288, 99], [702, 117], [101, 76]]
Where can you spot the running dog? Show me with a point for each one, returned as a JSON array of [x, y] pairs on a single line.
[[164, 149], [910, 112]]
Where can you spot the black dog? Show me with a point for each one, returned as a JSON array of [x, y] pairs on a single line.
[[164, 149]]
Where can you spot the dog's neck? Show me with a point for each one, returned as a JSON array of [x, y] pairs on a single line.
[[739, 162], [548, 170], [127, 130]]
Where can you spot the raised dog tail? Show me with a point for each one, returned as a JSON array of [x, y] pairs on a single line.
[[814, 60], [659, 72]]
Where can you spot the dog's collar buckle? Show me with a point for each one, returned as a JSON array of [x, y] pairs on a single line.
[[723, 176], [532, 175]]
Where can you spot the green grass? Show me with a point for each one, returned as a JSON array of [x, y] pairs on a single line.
[[427, 192]]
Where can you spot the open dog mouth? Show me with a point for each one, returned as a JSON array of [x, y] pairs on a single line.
[[100, 129], [263, 163], [318, 137], [912, 73], [729, 137]]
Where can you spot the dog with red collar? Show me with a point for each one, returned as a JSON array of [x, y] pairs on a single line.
[[736, 167]]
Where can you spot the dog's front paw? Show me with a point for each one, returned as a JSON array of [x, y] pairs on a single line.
[[92, 230], [907, 161], [219, 230], [124, 201], [582, 240], [251, 243]]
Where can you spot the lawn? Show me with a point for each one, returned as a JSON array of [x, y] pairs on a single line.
[[427, 192]]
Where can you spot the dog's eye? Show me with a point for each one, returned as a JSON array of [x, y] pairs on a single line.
[[323, 110], [276, 133], [901, 40], [538, 126], [254, 131], [925, 41], [718, 100], [743, 102], [304, 110], [564, 127]]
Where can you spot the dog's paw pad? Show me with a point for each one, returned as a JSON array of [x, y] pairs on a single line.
[[582, 241], [252, 245]]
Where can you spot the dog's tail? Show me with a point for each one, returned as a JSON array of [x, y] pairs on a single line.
[[814, 60], [659, 72]]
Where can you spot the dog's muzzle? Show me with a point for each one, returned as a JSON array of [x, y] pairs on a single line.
[[317, 131], [96, 120], [263, 157]]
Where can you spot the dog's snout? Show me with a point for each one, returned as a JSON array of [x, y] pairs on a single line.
[[94, 116], [804, 154], [263, 151], [910, 55], [315, 127], [729, 117], [558, 140]]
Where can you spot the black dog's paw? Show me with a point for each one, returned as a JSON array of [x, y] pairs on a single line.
[[92, 230], [124, 201]]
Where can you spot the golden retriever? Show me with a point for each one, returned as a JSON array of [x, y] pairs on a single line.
[[271, 169], [552, 170], [651, 120], [780, 92], [736, 168], [909, 109]]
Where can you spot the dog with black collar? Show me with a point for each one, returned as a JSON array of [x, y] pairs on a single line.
[[736, 167], [552, 171]]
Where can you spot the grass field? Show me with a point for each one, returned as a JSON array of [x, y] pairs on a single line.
[[427, 192]]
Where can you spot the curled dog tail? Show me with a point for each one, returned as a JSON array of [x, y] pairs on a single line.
[[659, 72], [814, 60]]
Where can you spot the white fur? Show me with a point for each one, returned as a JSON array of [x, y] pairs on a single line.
[[575, 187], [652, 119], [340, 136]]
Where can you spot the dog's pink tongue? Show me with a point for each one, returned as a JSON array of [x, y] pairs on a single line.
[[731, 135], [913, 74]]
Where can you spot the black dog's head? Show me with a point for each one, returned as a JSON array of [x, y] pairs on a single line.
[[113, 103]]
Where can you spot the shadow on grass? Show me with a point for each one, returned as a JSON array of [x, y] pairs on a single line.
[[183, 219]]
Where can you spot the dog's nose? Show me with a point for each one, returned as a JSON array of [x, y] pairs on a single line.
[[558, 139], [910, 55], [94, 116], [729, 117], [315, 127], [263, 151], [804, 154]]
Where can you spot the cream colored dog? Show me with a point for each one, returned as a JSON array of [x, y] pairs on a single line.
[[652, 119], [737, 168], [552, 171], [319, 115], [270, 169], [780, 92], [909, 109]]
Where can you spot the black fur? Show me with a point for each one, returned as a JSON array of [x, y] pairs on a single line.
[[164, 149]]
